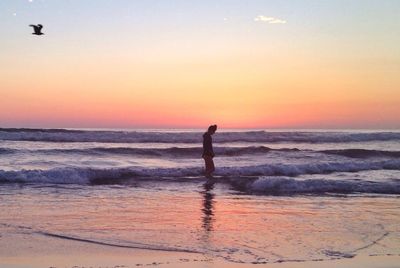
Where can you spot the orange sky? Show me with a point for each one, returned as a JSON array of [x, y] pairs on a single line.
[[242, 74]]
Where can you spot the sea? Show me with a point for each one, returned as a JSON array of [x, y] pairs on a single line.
[[276, 196]]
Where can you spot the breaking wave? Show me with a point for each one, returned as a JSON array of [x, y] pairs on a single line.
[[290, 186], [235, 175]]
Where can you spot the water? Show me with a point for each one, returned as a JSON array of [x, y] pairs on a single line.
[[279, 196]]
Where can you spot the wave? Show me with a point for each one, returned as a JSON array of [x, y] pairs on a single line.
[[197, 151], [7, 151], [63, 135], [49, 130], [363, 153], [158, 152], [193, 151], [88, 176], [290, 186]]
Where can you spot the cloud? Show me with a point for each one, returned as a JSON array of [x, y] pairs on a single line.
[[277, 21], [263, 18], [269, 19]]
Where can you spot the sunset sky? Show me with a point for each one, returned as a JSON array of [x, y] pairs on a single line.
[[178, 64]]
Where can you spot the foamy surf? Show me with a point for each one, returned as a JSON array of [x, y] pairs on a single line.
[[252, 179], [290, 186]]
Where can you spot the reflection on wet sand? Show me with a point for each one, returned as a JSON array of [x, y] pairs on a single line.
[[208, 205], [208, 218]]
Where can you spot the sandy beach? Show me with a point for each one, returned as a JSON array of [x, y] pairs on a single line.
[[22, 251]]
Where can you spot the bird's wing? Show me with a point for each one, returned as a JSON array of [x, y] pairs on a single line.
[[31, 25]]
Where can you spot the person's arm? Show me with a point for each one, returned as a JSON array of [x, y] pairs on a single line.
[[211, 147]]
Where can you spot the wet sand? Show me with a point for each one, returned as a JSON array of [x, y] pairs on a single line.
[[22, 250], [78, 226]]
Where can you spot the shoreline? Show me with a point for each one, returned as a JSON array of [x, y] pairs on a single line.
[[35, 250]]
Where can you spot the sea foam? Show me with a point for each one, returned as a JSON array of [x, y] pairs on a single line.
[[243, 174]]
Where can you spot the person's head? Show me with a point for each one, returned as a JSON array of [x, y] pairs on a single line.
[[212, 129]]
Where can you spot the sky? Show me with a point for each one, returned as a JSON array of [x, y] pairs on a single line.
[[189, 64]]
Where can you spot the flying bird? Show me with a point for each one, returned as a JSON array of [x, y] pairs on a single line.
[[37, 29]]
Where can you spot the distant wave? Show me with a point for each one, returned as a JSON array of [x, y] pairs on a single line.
[[363, 153], [62, 135], [288, 186], [49, 130], [123, 175], [195, 152], [158, 152]]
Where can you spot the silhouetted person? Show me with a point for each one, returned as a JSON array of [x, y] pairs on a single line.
[[37, 29], [208, 152]]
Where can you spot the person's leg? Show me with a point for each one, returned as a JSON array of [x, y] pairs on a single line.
[[209, 165], [212, 167]]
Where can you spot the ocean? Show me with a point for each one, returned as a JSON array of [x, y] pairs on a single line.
[[277, 196]]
